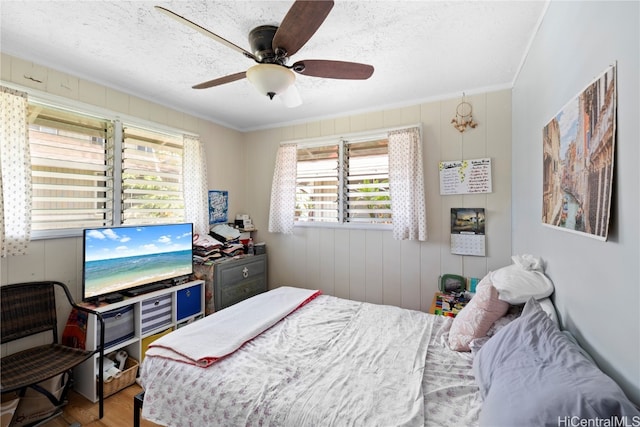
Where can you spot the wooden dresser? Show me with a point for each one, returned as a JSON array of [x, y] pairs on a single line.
[[231, 280]]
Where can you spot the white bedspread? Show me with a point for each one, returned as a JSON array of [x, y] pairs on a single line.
[[332, 362], [205, 342]]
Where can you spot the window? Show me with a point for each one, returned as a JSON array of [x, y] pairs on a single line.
[[72, 178], [91, 172], [317, 184], [345, 181], [366, 174], [151, 177]]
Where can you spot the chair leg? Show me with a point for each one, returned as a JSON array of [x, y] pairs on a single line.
[[101, 384], [137, 408]]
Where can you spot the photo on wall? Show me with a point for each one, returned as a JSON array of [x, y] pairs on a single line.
[[218, 206], [578, 156]]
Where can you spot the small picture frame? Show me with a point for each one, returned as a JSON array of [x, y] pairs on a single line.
[[218, 206]]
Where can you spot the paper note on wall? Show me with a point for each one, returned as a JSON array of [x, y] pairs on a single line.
[[465, 176]]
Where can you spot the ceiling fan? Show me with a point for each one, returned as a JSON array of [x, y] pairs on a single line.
[[271, 48]]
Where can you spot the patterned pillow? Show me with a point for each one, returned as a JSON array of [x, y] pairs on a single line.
[[475, 319]]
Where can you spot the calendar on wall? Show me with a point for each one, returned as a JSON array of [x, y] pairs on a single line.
[[467, 231]]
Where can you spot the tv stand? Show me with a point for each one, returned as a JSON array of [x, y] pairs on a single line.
[[133, 323]]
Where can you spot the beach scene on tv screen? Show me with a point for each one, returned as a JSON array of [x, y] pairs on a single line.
[[127, 257]]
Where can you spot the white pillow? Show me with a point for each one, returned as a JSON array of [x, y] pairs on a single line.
[[516, 285]]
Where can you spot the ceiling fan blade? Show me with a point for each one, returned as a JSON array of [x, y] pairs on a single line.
[[206, 32], [333, 69], [221, 80], [301, 22]]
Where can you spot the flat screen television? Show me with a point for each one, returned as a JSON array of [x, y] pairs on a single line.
[[126, 259]]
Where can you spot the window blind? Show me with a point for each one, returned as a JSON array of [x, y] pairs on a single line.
[[71, 175], [152, 187]]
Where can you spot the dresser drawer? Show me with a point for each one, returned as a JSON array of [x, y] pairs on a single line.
[[156, 312], [238, 279], [230, 274], [240, 291]]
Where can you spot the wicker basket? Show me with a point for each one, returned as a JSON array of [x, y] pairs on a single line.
[[127, 378]]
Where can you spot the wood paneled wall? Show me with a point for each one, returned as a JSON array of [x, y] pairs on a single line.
[[61, 259], [365, 265], [369, 265]]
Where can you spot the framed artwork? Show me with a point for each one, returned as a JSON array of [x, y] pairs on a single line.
[[218, 206], [578, 154]]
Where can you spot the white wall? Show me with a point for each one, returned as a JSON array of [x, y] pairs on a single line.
[[597, 289], [370, 265]]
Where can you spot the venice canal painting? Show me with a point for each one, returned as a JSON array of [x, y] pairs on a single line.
[[578, 150]]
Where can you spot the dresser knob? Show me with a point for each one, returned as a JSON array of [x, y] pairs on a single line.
[[245, 272]]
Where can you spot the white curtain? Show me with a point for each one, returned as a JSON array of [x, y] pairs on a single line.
[[283, 190], [406, 185], [194, 174], [15, 174]]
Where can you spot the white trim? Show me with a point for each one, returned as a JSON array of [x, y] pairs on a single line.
[[118, 137], [349, 137], [55, 233], [530, 43], [341, 185], [344, 225]]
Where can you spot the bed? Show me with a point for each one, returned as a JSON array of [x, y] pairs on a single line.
[[331, 361], [294, 357]]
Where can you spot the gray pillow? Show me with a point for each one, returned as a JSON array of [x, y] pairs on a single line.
[[531, 374]]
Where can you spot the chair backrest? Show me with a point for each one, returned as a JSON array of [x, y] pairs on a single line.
[[28, 309]]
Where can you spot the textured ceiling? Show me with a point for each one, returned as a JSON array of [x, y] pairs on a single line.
[[421, 50]]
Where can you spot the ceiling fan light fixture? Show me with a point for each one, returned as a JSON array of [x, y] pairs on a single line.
[[270, 79]]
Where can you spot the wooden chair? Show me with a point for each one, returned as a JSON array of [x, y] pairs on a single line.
[[29, 309]]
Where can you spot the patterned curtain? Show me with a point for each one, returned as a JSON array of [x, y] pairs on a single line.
[[406, 185], [194, 174], [283, 190], [15, 174]]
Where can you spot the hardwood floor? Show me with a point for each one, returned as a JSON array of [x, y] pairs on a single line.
[[118, 411]]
